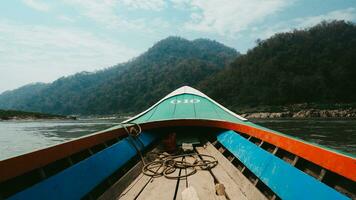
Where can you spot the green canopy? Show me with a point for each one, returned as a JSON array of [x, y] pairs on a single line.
[[189, 103], [186, 103]]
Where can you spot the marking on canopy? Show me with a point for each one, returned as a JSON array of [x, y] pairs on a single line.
[[186, 90]]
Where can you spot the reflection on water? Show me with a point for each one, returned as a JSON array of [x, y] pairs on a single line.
[[18, 137], [335, 134]]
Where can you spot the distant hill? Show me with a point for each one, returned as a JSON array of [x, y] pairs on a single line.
[[126, 87], [20, 96], [315, 65]]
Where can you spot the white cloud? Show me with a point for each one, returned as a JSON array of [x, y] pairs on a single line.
[[101, 11], [155, 5], [46, 53], [348, 14], [181, 4], [106, 12], [227, 17], [66, 18], [37, 5]]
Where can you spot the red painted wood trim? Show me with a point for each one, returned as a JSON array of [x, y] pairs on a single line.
[[333, 161], [338, 163], [19, 165]]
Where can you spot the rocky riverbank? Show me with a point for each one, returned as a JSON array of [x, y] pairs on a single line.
[[305, 113], [21, 115], [31, 118]]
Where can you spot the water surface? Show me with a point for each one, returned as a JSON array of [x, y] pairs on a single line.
[[335, 134], [19, 137]]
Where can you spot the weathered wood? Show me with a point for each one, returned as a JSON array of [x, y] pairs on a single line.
[[275, 150], [135, 188], [296, 158], [182, 183], [220, 189], [203, 183], [117, 188], [261, 143], [232, 190], [245, 186], [189, 194], [322, 174], [222, 149], [159, 188]]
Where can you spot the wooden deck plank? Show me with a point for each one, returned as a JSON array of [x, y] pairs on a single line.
[[233, 191], [117, 188], [246, 187], [125, 188], [182, 185], [236, 185], [159, 188], [134, 188], [203, 183]]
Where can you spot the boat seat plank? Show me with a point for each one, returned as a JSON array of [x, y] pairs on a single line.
[[284, 179], [244, 185]]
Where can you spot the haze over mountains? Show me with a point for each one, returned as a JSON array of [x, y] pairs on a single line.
[[126, 87], [316, 65]]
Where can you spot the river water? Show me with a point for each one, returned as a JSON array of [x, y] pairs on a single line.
[[18, 137], [336, 134]]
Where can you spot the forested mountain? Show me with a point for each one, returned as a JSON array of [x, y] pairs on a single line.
[[20, 96], [316, 65], [127, 87]]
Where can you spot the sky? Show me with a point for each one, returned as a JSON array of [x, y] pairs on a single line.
[[43, 40]]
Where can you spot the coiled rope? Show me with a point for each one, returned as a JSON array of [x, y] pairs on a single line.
[[166, 164]]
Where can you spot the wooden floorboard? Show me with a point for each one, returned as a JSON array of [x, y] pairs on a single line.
[[117, 188], [231, 188], [237, 186], [246, 187], [203, 183], [181, 185], [159, 188], [135, 188]]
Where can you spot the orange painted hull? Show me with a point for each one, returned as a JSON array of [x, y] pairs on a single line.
[[333, 161]]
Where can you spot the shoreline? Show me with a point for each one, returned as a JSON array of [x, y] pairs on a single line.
[[6, 115], [35, 118], [304, 114], [311, 113]]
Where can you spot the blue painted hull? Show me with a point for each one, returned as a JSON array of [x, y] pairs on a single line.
[[77, 181], [285, 180]]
